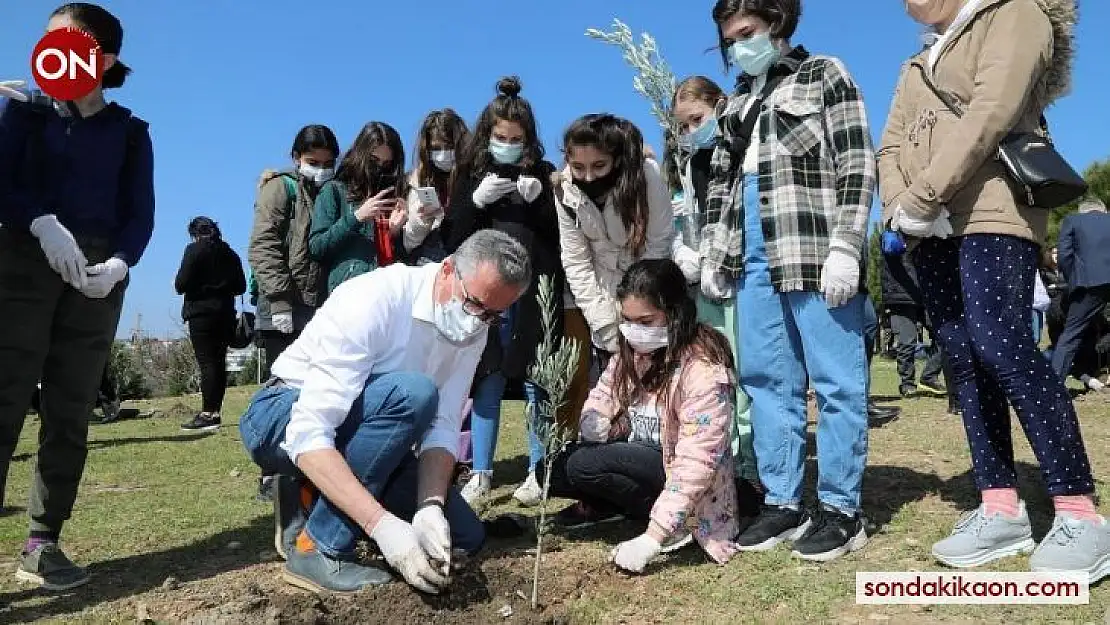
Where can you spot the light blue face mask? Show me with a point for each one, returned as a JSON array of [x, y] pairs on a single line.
[[755, 55], [702, 137], [506, 153]]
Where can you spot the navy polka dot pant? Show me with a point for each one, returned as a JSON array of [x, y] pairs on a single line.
[[979, 292]]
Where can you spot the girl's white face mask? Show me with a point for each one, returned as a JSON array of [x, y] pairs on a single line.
[[645, 339]]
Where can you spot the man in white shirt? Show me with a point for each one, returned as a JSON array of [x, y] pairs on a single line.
[[381, 371]]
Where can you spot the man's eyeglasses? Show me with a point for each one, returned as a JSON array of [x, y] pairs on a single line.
[[474, 308]]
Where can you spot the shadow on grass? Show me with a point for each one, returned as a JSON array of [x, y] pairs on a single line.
[[132, 575], [961, 491], [176, 438]]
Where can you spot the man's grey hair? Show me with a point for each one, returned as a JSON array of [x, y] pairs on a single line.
[[1092, 204], [499, 249]]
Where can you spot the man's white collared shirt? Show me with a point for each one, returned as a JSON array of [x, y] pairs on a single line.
[[380, 322]]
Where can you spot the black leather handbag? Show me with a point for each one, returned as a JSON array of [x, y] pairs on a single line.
[[243, 334], [1031, 160]]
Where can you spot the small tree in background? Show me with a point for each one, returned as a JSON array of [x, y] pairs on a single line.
[[552, 371], [125, 368], [875, 268]]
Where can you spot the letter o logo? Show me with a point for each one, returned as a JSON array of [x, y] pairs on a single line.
[[67, 64]]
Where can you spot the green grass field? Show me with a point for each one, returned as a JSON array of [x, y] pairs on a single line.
[[168, 525]]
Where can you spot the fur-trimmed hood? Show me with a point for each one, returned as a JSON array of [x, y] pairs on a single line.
[[1063, 15]]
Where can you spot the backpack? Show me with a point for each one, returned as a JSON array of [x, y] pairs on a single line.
[[291, 192]]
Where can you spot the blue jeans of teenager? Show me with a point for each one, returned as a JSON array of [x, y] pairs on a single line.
[[979, 290], [386, 421], [485, 416], [785, 338]]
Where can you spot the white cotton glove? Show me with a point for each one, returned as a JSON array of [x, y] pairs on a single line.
[[491, 189], [282, 322], [940, 227], [103, 277], [12, 89], [633, 555], [434, 535], [401, 548], [715, 284], [839, 278], [61, 250], [689, 262], [529, 188]]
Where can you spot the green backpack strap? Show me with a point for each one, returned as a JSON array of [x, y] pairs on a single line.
[[290, 191]]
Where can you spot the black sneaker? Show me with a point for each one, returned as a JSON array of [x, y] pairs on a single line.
[[749, 501], [832, 535], [202, 423], [932, 387], [878, 416], [909, 391], [580, 516], [774, 525]]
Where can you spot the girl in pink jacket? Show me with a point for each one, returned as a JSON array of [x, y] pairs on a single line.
[[654, 435]]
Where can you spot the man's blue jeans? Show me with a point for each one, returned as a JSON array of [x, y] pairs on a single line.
[[387, 420], [783, 337]]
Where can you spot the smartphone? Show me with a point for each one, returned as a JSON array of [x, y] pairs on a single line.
[[429, 199]]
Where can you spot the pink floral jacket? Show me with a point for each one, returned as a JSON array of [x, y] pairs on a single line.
[[697, 454]]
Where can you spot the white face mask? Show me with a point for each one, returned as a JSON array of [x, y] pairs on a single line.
[[645, 339], [455, 324], [319, 175], [444, 160]]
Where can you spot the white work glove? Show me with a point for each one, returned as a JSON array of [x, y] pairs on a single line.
[[434, 535], [689, 262], [633, 555], [920, 228], [401, 548], [839, 278], [529, 188], [12, 89], [61, 250], [103, 277], [491, 189], [715, 284], [282, 322]]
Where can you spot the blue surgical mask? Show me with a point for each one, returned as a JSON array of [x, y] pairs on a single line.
[[756, 55], [506, 153], [703, 136]]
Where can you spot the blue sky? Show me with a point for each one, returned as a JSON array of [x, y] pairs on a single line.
[[225, 85]]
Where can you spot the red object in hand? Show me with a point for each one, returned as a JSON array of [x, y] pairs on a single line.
[[384, 241]]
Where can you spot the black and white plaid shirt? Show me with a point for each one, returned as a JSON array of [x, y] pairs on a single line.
[[817, 175]]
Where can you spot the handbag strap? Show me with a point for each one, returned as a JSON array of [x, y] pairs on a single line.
[[950, 102]]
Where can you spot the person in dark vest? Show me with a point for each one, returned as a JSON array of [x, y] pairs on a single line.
[[69, 238], [1084, 261]]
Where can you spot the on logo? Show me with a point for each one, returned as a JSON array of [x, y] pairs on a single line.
[[67, 64]]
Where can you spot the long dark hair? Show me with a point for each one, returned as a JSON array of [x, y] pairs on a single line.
[[106, 29], [622, 140], [508, 106], [659, 282], [782, 16], [314, 137], [447, 128], [204, 229], [361, 175]]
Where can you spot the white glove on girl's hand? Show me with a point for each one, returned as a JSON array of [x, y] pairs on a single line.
[[401, 548], [529, 188], [12, 89], [282, 322], [839, 278], [942, 226], [715, 284], [61, 250], [103, 277], [491, 189], [689, 262], [633, 555], [434, 535]]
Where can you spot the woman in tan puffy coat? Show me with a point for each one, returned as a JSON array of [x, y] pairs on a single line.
[[1003, 61]]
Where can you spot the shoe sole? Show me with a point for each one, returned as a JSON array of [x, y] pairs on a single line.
[[980, 558], [1100, 570], [789, 535], [33, 578], [306, 584], [859, 541], [689, 538]]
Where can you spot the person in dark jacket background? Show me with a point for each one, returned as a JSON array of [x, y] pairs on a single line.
[[210, 278], [1084, 261], [503, 183], [905, 307], [69, 238]]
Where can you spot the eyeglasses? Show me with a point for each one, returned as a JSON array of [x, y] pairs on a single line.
[[474, 308]]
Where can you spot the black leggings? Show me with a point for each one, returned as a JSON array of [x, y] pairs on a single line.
[[210, 335], [615, 477]]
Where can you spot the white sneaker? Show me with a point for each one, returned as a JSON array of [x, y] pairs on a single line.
[[479, 486], [529, 494]]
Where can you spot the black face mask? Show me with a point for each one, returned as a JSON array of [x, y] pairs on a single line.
[[597, 188], [383, 179]]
